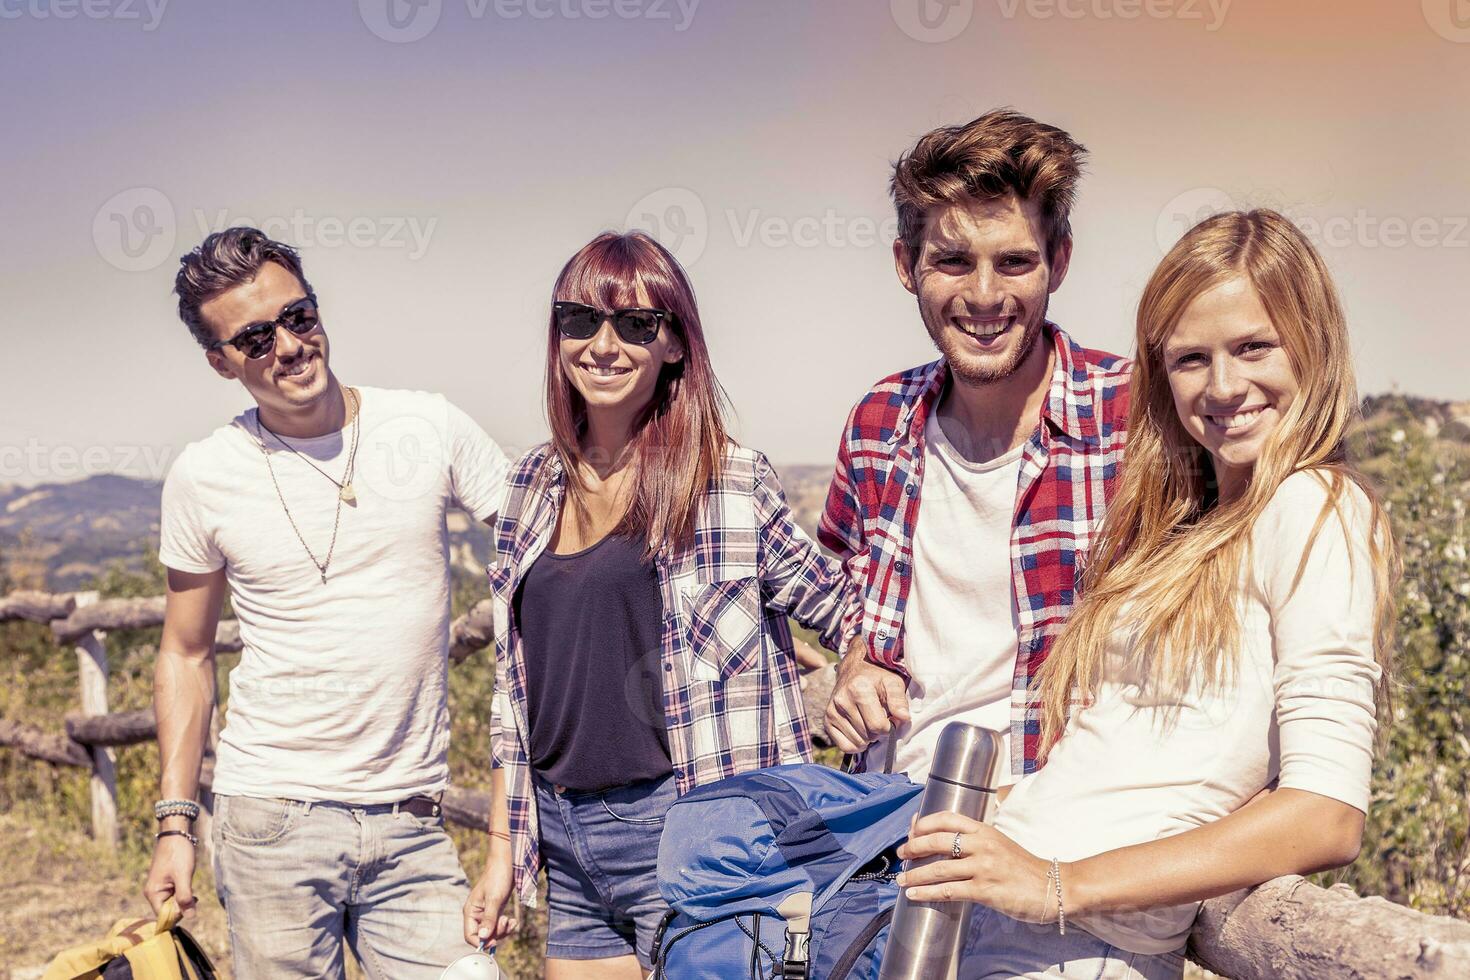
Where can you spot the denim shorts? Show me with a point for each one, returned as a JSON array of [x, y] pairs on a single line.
[[1001, 948], [601, 855]]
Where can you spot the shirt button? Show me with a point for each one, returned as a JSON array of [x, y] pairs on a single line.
[[901, 567], [668, 667], [882, 637], [911, 489]]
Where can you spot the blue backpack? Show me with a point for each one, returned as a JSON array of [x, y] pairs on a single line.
[[782, 873]]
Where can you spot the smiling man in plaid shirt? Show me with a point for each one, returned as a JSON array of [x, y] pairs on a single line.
[[1011, 440]]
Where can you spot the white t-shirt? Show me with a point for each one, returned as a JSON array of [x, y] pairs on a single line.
[[1301, 705], [340, 693], [959, 625]]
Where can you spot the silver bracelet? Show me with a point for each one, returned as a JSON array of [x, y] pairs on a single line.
[[1056, 874], [176, 808]]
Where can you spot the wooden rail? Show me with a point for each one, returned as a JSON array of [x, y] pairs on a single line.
[[1287, 929]]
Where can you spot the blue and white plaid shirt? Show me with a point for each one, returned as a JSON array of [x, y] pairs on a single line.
[[732, 701]]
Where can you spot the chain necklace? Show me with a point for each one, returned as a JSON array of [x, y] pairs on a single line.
[[344, 495], [344, 485]]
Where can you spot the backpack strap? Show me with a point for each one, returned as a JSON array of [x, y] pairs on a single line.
[[797, 911], [658, 943]]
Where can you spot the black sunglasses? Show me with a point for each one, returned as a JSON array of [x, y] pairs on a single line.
[[635, 325], [259, 339]]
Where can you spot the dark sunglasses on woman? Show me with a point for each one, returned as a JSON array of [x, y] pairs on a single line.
[[635, 324], [259, 339]]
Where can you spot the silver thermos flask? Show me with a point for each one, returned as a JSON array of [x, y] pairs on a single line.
[[925, 938]]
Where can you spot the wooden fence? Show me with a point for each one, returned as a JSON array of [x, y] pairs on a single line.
[[1287, 929]]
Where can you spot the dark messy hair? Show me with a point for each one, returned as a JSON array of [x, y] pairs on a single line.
[[223, 261]]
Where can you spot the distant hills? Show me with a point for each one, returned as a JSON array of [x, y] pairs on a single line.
[[73, 529], [69, 532]]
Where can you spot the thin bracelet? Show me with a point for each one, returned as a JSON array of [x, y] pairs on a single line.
[[1056, 870], [177, 833]]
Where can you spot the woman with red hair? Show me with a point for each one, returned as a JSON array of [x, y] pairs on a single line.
[[645, 568]]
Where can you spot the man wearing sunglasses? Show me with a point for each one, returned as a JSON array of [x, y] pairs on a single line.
[[322, 511]]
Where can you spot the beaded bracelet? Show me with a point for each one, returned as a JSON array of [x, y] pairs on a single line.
[[1056, 875], [177, 833], [176, 808]]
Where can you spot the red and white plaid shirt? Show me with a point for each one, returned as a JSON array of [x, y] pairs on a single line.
[[1068, 471]]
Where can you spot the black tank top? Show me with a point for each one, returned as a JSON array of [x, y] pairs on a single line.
[[591, 628]]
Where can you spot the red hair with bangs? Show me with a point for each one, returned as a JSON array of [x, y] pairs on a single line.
[[679, 439]]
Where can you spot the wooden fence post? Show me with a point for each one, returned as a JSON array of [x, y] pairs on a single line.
[[92, 674]]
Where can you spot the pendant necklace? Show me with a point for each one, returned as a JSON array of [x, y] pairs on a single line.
[[345, 493]]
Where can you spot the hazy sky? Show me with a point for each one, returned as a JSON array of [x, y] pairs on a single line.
[[438, 160]]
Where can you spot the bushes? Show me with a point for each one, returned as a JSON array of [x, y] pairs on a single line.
[[1416, 848]]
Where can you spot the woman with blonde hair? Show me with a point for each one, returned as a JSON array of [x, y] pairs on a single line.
[[1235, 628]]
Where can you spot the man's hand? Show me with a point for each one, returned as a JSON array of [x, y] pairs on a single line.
[[486, 918], [867, 701], [172, 873]]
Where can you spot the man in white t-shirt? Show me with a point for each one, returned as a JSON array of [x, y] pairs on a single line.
[[322, 512], [1010, 440]]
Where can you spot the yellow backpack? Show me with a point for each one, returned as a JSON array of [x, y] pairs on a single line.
[[137, 949]]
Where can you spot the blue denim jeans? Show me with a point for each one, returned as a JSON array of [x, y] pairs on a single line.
[[601, 854], [296, 879], [1001, 947]]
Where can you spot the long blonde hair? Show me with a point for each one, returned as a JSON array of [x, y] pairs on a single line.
[[1164, 537]]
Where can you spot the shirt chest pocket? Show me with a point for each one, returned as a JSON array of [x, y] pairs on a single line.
[[724, 627], [501, 577]]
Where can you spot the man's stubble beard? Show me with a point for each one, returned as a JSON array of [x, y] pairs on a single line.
[[992, 375]]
